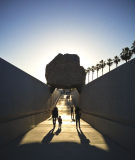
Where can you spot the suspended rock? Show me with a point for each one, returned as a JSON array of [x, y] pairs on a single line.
[[65, 72]]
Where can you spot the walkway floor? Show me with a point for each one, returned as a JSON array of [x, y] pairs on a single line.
[[43, 143]]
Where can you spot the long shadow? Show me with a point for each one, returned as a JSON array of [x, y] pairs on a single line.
[[48, 137], [61, 150], [83, 138], [58, 131]]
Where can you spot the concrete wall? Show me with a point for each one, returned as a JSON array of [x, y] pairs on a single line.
[[24, 102], [108, 104], [75, 96]]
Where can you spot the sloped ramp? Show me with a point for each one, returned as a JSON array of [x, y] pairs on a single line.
[[67, 143]]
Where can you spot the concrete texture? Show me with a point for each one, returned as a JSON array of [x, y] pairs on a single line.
[[24, 101], [112, 96], [21, 94], [76, 97], [68, 143], [121, 134], [108, 104]]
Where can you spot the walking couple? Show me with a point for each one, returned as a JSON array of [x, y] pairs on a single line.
[[55, 116]]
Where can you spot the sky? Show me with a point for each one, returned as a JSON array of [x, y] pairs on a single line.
[[33, 32]]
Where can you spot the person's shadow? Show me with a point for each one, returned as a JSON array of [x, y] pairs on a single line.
[[58, 131], [83, 138], [48, 137]]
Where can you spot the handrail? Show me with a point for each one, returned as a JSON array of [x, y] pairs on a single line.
[[56, 100], [32, 113], [109, 119]]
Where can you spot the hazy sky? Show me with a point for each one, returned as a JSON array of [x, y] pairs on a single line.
[[33, 32]]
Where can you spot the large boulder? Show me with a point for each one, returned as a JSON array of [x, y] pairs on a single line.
[[65, 72]]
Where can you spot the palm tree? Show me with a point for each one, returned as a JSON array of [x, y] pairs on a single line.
[[88, 71], [109, 63], [97, 68], [116, 60], [126, 54], [92, 69], [133, 47], [102, 65]]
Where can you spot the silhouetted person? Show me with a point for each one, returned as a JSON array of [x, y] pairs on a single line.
[[54, 115], [78, 116], [72, 111], [60, 121]]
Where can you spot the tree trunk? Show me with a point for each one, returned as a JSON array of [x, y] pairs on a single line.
[[97, 74], [102, 71], [109, 68]]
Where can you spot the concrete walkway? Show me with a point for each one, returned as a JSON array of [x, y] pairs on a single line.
[[43, 143]]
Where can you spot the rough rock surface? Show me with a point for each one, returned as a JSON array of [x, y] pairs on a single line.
[[64, 71]]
